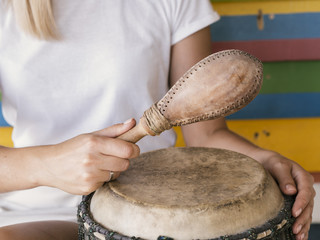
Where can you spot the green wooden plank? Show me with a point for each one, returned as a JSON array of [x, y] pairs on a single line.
[[243, 0], [291, 77], [213, 1]]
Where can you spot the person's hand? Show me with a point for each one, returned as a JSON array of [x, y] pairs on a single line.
[[293, 179], [82, 164]]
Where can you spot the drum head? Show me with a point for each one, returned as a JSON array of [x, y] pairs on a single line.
[[188, 193]]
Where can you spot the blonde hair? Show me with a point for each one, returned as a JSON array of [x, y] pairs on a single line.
[[35, 17]]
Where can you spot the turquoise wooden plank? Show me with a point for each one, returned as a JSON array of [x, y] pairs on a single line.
[[290, 105], [283, 105], [314, 233], [282, 26], [3, 122]]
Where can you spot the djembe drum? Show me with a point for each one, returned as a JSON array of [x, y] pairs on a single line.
[[188, 193]]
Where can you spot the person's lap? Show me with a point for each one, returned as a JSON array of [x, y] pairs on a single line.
[[44, 230]]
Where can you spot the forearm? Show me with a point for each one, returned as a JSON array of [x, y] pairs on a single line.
[[221, 137], [78, 166], [18, 168], [224, 138]]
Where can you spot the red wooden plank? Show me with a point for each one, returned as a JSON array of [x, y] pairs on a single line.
[[316, 176], [276, 50]]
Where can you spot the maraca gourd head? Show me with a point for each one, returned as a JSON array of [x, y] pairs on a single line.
[[217, 86]]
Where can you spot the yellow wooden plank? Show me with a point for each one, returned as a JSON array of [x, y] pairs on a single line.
[[267, 7], [5, 136], [180, 141], [297, 139]]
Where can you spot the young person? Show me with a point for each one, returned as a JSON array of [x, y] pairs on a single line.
[[68, 70]]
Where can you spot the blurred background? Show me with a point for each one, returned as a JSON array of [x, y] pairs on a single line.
[[285, 116]]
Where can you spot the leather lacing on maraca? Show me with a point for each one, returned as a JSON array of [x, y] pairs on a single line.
[[156, 122]]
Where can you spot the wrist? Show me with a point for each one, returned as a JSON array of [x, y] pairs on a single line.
[[32, 165], [263, 155], [37, 158], [19, 167]]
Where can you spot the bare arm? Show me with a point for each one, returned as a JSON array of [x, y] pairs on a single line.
[[291, 177], [16, 169], [78, 166]]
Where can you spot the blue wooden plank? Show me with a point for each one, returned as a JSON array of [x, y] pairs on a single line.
[[288, 105], [3, 122], [283, 105], [282, 26], [314, 233]]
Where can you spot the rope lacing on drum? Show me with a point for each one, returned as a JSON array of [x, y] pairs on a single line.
[[274, 229], [164, 238]]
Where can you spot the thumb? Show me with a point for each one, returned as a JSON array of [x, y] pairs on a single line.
[[117, 129], [288, 188], [284, 178]]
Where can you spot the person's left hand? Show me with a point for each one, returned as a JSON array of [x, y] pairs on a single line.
[[293, 179]]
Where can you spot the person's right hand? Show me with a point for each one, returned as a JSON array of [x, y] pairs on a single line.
[[82, 164]]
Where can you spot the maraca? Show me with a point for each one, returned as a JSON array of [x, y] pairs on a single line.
[[217, 86]]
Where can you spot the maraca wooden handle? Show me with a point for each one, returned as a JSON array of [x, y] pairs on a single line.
[[137, 132], [151, 123]]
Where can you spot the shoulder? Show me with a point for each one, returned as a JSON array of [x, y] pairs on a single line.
[[188, 16], [4, 6], [177, 8], [4, 9]]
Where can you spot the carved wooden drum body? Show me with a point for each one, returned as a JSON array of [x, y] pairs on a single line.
[[188, 193]]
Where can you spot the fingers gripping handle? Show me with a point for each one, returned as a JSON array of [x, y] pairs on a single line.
[[151, 123], [136, 133]]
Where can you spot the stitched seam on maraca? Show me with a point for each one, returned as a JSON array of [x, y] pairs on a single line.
[[222, 111], [163, 104], [156, 122], [239, 103]]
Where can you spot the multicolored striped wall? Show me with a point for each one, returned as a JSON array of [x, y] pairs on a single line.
[[5, 130], [285, 35]]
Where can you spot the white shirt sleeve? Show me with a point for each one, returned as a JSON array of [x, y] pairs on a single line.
[[190, 16]]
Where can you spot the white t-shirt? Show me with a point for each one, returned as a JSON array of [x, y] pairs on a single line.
[[111, 64]]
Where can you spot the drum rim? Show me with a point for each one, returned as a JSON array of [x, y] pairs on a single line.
[[275, 226], [113, 187]]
